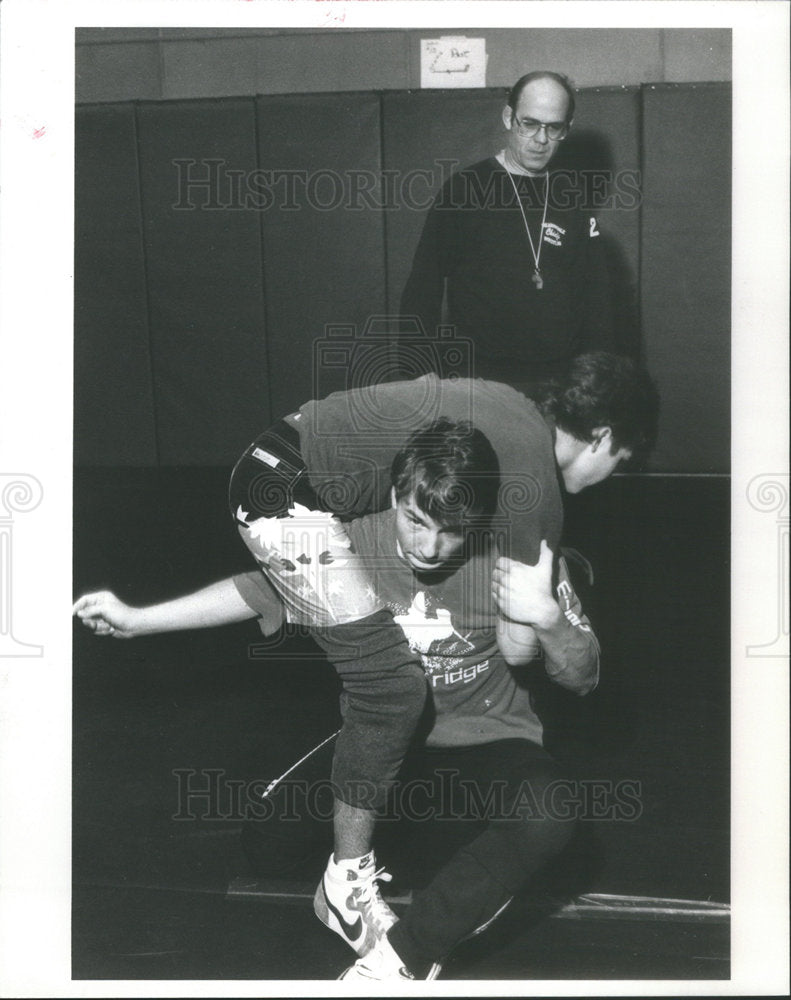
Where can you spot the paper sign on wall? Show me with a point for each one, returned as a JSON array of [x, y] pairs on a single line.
[[453, 61]]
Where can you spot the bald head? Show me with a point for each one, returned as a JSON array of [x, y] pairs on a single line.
[[543, 74]]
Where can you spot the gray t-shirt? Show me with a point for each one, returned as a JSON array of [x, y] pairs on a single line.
[[348, 442]]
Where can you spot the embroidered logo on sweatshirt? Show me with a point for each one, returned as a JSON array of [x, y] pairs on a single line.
[[554, 234]]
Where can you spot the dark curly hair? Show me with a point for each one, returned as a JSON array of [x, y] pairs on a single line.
[[601, 389], [451, 470]]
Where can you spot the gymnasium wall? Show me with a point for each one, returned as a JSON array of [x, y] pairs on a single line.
[[155, 64], [217, 240]]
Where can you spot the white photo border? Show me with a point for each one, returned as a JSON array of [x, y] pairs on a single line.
[[36, 327]]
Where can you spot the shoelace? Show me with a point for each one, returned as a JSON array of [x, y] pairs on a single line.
[[368, 893]]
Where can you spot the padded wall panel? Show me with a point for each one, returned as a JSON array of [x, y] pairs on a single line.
[[603, 149], [113, 401], [426, 136], [686, 269], [330, 263], [323, 243], [205, 279]]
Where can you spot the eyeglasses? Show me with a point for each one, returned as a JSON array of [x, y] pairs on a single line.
[[528, 127]]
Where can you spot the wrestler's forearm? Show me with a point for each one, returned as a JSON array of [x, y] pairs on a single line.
[[218, 604], [571, 654], [518, 643]]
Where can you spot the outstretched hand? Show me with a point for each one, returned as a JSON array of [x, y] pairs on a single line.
[[523, 593], [104, 614]]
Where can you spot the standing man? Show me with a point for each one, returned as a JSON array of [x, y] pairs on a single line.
[[521, 263]]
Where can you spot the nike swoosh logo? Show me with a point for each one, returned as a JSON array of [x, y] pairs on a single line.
[[351, 930]]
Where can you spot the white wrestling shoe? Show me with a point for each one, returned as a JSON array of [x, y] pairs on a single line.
[[348, 901]]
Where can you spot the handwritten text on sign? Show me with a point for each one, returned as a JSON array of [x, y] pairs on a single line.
[[453, 61]]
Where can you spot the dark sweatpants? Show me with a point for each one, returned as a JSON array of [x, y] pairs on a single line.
[[471, 825], [384, 686], [494, 820]]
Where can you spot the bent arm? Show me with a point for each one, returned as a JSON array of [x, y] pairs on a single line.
[[534, 617], [517, 642], [571, 649]]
